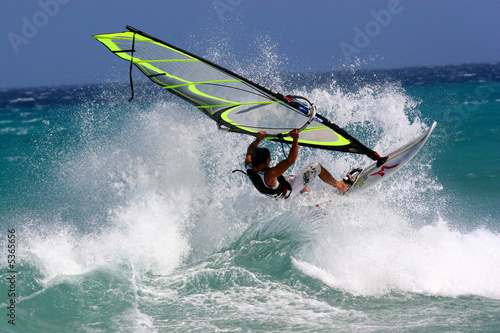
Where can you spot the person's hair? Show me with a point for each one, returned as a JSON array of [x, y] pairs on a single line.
[[260, 156]]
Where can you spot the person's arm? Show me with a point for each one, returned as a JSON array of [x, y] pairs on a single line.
[[282, 166], [253, 146]]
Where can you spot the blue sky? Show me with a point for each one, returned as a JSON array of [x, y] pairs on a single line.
[[48, 42]]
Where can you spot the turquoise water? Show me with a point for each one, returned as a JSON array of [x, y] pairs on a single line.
[[127, 217]]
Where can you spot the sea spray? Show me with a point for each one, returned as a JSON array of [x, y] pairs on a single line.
[[130, 220]]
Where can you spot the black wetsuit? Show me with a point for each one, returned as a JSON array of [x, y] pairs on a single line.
[[281, 190]]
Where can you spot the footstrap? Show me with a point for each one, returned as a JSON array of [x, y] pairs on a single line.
[[350, 180]]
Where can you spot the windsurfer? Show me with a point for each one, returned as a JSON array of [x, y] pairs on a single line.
[[271, 181]]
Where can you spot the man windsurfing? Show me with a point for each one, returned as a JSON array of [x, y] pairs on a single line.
[[272, 182]]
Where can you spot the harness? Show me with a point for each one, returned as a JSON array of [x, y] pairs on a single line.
[[281, 190]]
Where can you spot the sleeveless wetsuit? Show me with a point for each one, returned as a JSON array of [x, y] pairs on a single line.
[[282, 189]]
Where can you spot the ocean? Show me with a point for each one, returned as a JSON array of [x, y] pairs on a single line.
[[125, 217]]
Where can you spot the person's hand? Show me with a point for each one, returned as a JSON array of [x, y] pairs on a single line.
[[261, 135], [294, 134]]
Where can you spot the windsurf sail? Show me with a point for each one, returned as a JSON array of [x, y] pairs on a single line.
[[236, 103]]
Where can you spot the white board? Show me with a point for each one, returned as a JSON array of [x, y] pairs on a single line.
[[372, 175]]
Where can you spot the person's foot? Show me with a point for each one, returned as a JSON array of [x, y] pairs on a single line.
[[343, 186], [351, 177]]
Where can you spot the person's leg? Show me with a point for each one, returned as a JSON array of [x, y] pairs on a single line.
[[305, 177], [326, 176]]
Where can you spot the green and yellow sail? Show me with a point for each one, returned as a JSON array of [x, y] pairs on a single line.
[[234, 102]]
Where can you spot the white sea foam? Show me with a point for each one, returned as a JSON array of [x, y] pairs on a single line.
[[21, 100], [168, 190], [145, 223], [375, 254], [15, 130], [393, 237], [170, 199]]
